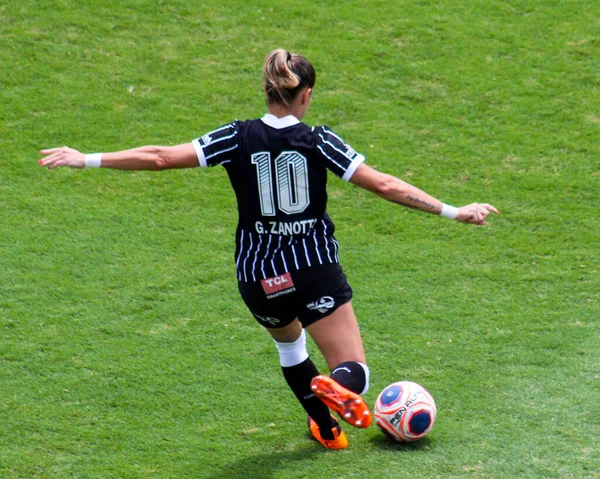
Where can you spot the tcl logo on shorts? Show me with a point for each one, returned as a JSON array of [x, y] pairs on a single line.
[[277, 283], [322, 305]]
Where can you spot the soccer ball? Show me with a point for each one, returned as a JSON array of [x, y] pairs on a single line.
[[405, 411]]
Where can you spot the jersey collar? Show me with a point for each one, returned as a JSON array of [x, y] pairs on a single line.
[[279, 123]]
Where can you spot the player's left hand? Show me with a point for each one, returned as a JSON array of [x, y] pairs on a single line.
[[63, 156], [475, 213]]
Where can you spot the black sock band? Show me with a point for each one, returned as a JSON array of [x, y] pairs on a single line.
[[298, 378], [351, 375]]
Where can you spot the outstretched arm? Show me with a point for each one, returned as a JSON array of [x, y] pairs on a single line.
[[145, 158], [398, 191]]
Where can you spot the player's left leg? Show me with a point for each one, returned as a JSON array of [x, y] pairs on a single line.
[[278, 316], [298, 371]]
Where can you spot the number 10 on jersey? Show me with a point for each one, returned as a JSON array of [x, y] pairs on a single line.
[[291, 181]]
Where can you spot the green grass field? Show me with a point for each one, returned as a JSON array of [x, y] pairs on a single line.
[[125, 351]]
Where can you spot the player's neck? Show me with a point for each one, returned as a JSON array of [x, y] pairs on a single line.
[[281, 111]]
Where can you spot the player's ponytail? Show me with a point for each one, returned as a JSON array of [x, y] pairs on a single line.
[[285, 75]]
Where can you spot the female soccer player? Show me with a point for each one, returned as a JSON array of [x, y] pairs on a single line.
[[287, 258]]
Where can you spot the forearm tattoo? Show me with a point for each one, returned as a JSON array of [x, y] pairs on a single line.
[[419, 201]]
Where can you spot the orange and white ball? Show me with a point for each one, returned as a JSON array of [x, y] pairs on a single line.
[[405, 411]]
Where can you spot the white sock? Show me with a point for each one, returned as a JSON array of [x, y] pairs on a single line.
[[293, 353]]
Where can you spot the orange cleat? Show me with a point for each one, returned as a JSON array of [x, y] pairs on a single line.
[[350, 406], [339, 441]]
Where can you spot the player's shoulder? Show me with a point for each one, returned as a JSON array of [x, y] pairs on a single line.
[[225, 132], [325, 131], [325, 134]]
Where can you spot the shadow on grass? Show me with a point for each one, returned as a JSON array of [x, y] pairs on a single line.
[[386, 444], [265, 466]]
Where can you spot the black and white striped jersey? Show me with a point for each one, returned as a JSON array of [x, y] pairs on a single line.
[[278, 170]]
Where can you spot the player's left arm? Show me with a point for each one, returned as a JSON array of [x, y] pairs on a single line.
[[154, 158], [395, 190]]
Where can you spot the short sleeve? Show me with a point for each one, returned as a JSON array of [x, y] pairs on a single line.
[[337, 156], [218, 146]]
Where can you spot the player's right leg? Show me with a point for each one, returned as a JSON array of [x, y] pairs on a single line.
[[329, 318], [338, 338]]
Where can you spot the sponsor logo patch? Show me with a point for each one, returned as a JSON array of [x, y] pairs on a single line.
[[322, 305], [278, 285], [267, 319]]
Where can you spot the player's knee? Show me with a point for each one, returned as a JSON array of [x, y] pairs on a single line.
[[293, 353], [353, 375]]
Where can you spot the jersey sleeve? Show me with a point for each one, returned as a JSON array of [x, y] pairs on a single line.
[[337, 156], [218, 146]]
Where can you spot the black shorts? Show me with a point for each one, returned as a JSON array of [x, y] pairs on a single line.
[[308, 294]]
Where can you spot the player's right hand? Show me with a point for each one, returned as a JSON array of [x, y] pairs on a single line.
[[63, 156], [475, 213]]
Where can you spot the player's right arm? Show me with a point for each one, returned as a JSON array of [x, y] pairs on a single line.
[[395, 190], [154, 158]]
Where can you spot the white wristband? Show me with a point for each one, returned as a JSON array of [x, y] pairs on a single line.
[[93, 160], [449, 211]]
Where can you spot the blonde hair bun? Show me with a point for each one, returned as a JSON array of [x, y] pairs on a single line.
[[285, 72]]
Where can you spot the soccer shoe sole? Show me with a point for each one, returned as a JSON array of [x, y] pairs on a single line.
[[351, 407], [340, 440]]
